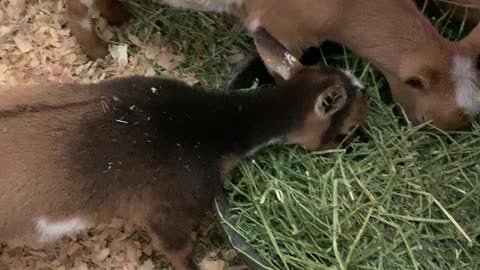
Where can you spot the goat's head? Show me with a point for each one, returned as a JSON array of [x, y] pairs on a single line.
[[333, 101], [439, 83]]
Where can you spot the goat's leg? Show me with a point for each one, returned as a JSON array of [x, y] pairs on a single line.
[[180, 254], [176, 242], [83, 28], [113, 11]]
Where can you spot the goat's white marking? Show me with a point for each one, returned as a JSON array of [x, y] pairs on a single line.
[[467, 92], [291, 60], [90, 5], [253, 25], [53, 230], [262, 145], [87, 3], [354, 80], [281, 70], [220, 6], [85, 24]]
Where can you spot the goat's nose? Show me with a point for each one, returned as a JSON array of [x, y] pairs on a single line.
[[419, 119]]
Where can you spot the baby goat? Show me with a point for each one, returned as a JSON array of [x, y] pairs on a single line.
[[432, 78], [152, 150]]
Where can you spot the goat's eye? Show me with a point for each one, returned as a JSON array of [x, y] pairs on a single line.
[[414, 83], [478, 62]]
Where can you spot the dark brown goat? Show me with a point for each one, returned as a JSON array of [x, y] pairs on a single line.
[[153, 150]]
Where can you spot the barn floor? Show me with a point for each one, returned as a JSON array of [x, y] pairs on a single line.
[[36, 46]]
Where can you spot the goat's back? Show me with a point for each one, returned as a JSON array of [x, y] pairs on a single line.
[[71, 151]]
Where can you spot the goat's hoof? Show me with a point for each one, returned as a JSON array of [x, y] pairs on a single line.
[[117, 15], [122, 17], [100, 51]]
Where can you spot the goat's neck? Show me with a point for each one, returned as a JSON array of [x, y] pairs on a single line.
[[263, 118]]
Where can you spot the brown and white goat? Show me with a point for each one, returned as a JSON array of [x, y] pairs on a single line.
[[153, 150], [432, 78]]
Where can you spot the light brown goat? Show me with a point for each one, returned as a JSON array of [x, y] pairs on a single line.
[[153, 150], [432, 78]]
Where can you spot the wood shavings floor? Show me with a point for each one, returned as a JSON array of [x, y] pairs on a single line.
[[36, 46]]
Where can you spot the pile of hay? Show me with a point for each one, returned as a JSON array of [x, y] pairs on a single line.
[[406, 199]]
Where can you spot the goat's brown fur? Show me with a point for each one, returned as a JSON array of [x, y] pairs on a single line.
[[150, 150]]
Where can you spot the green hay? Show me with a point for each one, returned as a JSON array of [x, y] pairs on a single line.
[[406, 199]]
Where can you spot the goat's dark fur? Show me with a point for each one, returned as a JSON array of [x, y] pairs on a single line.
[[146, 149]]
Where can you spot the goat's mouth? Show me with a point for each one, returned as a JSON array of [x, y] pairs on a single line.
[[346, 140], [460, 122]]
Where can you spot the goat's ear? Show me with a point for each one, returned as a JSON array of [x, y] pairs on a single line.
[[330, 101], [275, 55]]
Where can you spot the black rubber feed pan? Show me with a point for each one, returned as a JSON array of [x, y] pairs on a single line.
[[247, 254], [243, 76]]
